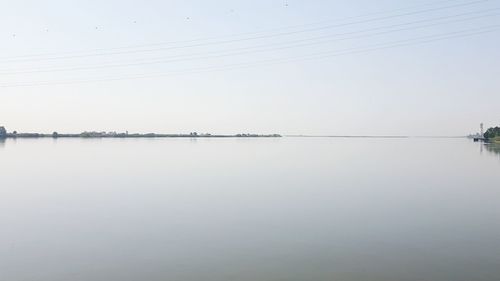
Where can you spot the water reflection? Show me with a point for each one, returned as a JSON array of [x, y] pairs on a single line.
[[493, 148], [248, 209]]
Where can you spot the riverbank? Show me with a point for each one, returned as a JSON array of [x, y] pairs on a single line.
[[125, 135]]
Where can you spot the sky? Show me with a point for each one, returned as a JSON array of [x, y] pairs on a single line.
[[313, 67]]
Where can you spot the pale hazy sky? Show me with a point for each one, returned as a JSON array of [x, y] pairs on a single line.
[[380, 67]]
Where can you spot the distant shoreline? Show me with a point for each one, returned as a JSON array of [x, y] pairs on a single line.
[[94, 134], [125, 135], [154, 135]]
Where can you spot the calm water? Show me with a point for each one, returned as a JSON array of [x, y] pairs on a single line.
[[249, 209]]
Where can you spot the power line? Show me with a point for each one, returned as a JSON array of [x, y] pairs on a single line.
[[280, 34], [233, 52], [401, 43], [433, 3]]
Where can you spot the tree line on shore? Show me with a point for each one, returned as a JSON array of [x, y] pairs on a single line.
[[93, 134], [492, 133]]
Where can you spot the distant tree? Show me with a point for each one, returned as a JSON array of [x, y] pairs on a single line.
[[3, 132], [55, 134], [15, 132], [492, 132]]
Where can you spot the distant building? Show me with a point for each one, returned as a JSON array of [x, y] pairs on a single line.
[[3, 132]]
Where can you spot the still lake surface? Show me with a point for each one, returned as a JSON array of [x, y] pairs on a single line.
[[346, 209]]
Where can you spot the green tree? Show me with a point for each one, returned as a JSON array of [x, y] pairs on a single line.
[[492, 133]]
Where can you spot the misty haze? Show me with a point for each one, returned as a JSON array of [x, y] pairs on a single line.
[[249, 140]]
